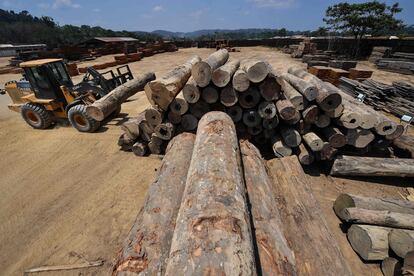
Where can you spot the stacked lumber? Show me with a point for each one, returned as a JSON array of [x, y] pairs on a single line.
[[359, 74], [401, 66], [292, 113], [343, 64], [196, 217], [397, 99], [328, 74], [304, 47], [379, 226], [379, 52]]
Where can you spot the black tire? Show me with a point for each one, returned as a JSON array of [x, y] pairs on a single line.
[[80, 120], [36, 115]]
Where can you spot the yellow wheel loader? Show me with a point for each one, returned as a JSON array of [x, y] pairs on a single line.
[[47, 93]]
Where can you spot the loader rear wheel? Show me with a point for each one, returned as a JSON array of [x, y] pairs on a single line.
[[80, 120], [36, 115]]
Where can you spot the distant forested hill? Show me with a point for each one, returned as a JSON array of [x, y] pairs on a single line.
[[22, 27]]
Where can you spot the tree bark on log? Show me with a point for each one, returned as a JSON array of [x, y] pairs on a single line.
[[313, 141], [276, 257], [140, 254], [280, 149], [370, 242], [153, 116], [391, 267], [307, 233], [255, 69], [408, 267], [304, 155], [405, 143], [165, 131], [179, 105], [349, 118], [287, 110], [336, 113], [335, 137], [308, 90], [140, 148], [291, 137], [240, 80], [344, 201], [103, 107], [154, 145], [212, 234], [191, 92], [371, 166], [162, 92], [381, 218], [223, 75], [359, 138], [327, 153], [292, 94], [401, 241], [203, 70], [310, 114], [399, 131]]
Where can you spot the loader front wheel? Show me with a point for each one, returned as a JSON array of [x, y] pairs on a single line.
[[36, 115], [80, 120]]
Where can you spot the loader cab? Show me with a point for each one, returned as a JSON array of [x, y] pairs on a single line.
[[46, 76]]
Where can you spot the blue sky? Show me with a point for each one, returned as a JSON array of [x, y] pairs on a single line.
[[188, 15]]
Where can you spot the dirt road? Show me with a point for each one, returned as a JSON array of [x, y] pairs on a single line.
[[65, 194]]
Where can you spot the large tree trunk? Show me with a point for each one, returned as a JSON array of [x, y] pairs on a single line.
[[381, 218], [147, 247], [316, 250], [391, 267], [103, 107], [344, 201], [162, 92], [370, 166], [212, 234], [370, 242], [276, 257], [308, 90], [223, 75], [202, 71], [401, 241], [256, 69]]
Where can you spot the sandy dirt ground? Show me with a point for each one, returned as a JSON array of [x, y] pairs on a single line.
[[66, 195]]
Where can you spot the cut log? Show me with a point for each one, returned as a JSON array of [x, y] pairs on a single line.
[[140, 148], [125, 142], [401, 241], [381, 218], [308, 90], [287, 110], [304, 155], [212, 233], [344, 201], [267, 110], [271, 123], [270, 89], [240, 81], [199, 108], [228, 96], [405, 143], [251, 118], [256, 69], [385, 126], [313, 141], [154, 145], [350, 118], [359, 138], [249, 98], [316, 250], [292, 94], [203, 70], [291, 137], [140, 254], [399, 131], [370, 242], [106, 105], [371, 166], [279, 147], [131, 128], [323, 121], [165, 131], [310, 114], [174, 118], [336, 113], [223, 75], [276, 257], [179, 105], [327, 152], [191, 92], [153, 116], [162, 91], [408, 267], [235, 112], [303, 127], [210, 94], [391, 267], [189, 122], [334, 136], [255, 131]]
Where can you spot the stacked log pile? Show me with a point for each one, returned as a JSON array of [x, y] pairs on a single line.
[[379, 227], [198, 218], [397, 98], [379, 52], [290, 113], [304, 47]]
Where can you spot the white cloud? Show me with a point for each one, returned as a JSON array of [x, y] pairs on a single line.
[[197, 14], [158, 8], [274, 3], [65, 3]]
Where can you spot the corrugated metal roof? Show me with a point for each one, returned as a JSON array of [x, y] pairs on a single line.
[[116, 39]]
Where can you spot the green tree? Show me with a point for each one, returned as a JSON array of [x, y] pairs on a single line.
[[363, 18]]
